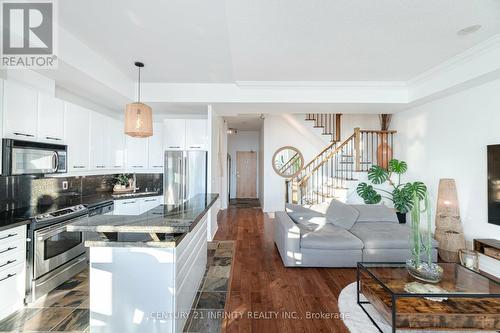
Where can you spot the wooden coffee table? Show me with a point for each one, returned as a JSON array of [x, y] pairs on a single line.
[[472, 300]]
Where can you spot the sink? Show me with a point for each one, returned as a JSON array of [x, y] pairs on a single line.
[[136, 194]]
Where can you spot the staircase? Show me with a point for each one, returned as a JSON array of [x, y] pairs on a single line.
[[329, 174], [329, 122]]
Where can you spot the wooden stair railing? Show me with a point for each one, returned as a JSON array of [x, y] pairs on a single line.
[[328, 173]]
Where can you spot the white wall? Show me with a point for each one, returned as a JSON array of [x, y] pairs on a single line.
[[279, 131], [242, 141], [217, 156], [447, 138], [261, 166]]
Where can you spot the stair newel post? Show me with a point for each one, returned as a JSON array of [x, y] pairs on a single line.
[[357, 147]]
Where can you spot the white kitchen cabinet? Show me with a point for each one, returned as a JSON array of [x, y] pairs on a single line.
[[99, 147], [12, 270], [196, 134], [1, 118], [137, 153], [174, 134], [136, 206], [50, 119], [77, 136], [20, 111], [156, 151], [148, 203], [126, 207], [116, 154]]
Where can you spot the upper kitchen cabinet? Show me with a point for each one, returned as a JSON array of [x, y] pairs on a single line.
[[77, 136], [156, 148], [185, 134], [99, 147], [20, 111], [196, 134], [175, 134], [137, 153], [50, 119], [116, 155]]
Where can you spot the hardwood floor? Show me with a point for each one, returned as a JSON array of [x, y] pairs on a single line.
[[262, 286]]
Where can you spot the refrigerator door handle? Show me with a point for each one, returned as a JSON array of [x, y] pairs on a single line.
[[186, 180]]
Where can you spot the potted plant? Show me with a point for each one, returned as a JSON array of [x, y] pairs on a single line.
[[121, 182], [420, 264], [401, 194]]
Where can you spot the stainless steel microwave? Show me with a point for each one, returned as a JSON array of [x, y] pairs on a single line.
[[32, 158]]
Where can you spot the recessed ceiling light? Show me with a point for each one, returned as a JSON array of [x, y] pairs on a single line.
[[469, 30]]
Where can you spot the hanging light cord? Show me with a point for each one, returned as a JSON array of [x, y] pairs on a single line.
[[139, 87]]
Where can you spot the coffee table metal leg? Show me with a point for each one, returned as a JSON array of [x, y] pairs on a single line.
[[393, 314]]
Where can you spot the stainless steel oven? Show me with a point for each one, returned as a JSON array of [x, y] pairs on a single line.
[[31, 158], [55, 246], [54, 254]]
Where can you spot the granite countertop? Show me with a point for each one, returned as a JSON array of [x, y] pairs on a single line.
[[163, 219]]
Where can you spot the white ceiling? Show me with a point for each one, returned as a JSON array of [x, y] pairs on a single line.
[[278, 40], [244, 122]]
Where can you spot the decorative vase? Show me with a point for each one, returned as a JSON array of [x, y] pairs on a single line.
[[449, 232], [384, 151], [401, 217], [432, 273]]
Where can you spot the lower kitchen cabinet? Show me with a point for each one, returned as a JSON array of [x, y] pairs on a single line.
[[12, 270], [136, 206]]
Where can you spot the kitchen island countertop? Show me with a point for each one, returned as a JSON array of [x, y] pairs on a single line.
[[163, 219]]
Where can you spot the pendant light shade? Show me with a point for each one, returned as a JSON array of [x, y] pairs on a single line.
[[138, 116]]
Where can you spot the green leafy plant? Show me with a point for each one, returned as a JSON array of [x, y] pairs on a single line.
[[122, 179], [402, 194]]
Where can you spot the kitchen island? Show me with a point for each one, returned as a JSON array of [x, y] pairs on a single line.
[[145, 269]]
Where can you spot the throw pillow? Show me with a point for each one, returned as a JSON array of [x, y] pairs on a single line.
[[376, 213], [305, 218], [341, 214]]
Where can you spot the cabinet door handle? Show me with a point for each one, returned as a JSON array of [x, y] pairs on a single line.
[[150, 200], [196, 147], [8, 236], [78, 167], [24, 134], [128, 202], [7, 277], [100, 166], [52, 138], [10, 248], [118, 166], [8, 263], [137, 166], [157, 166], [175, 147]]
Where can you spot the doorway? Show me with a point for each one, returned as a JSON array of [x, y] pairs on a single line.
[[246, 174]]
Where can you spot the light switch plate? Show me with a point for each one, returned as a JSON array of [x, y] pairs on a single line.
[[65, 185]]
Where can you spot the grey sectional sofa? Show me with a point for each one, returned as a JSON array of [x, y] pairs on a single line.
[[340, 235]]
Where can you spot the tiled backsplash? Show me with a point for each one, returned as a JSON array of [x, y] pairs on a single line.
[[24, 191]]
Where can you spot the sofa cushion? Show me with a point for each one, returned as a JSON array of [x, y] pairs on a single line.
[[307, 219], [383, 235], [341, 215], [375, 213], [330, 237]]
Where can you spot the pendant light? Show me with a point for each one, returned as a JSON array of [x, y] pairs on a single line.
[[138, 116]]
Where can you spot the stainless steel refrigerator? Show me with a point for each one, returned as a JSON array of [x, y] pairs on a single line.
[[185, 175]]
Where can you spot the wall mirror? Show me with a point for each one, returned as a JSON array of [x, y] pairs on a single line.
[[288, 161]]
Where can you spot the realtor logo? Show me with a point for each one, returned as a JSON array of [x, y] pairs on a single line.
[[28, 34]]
